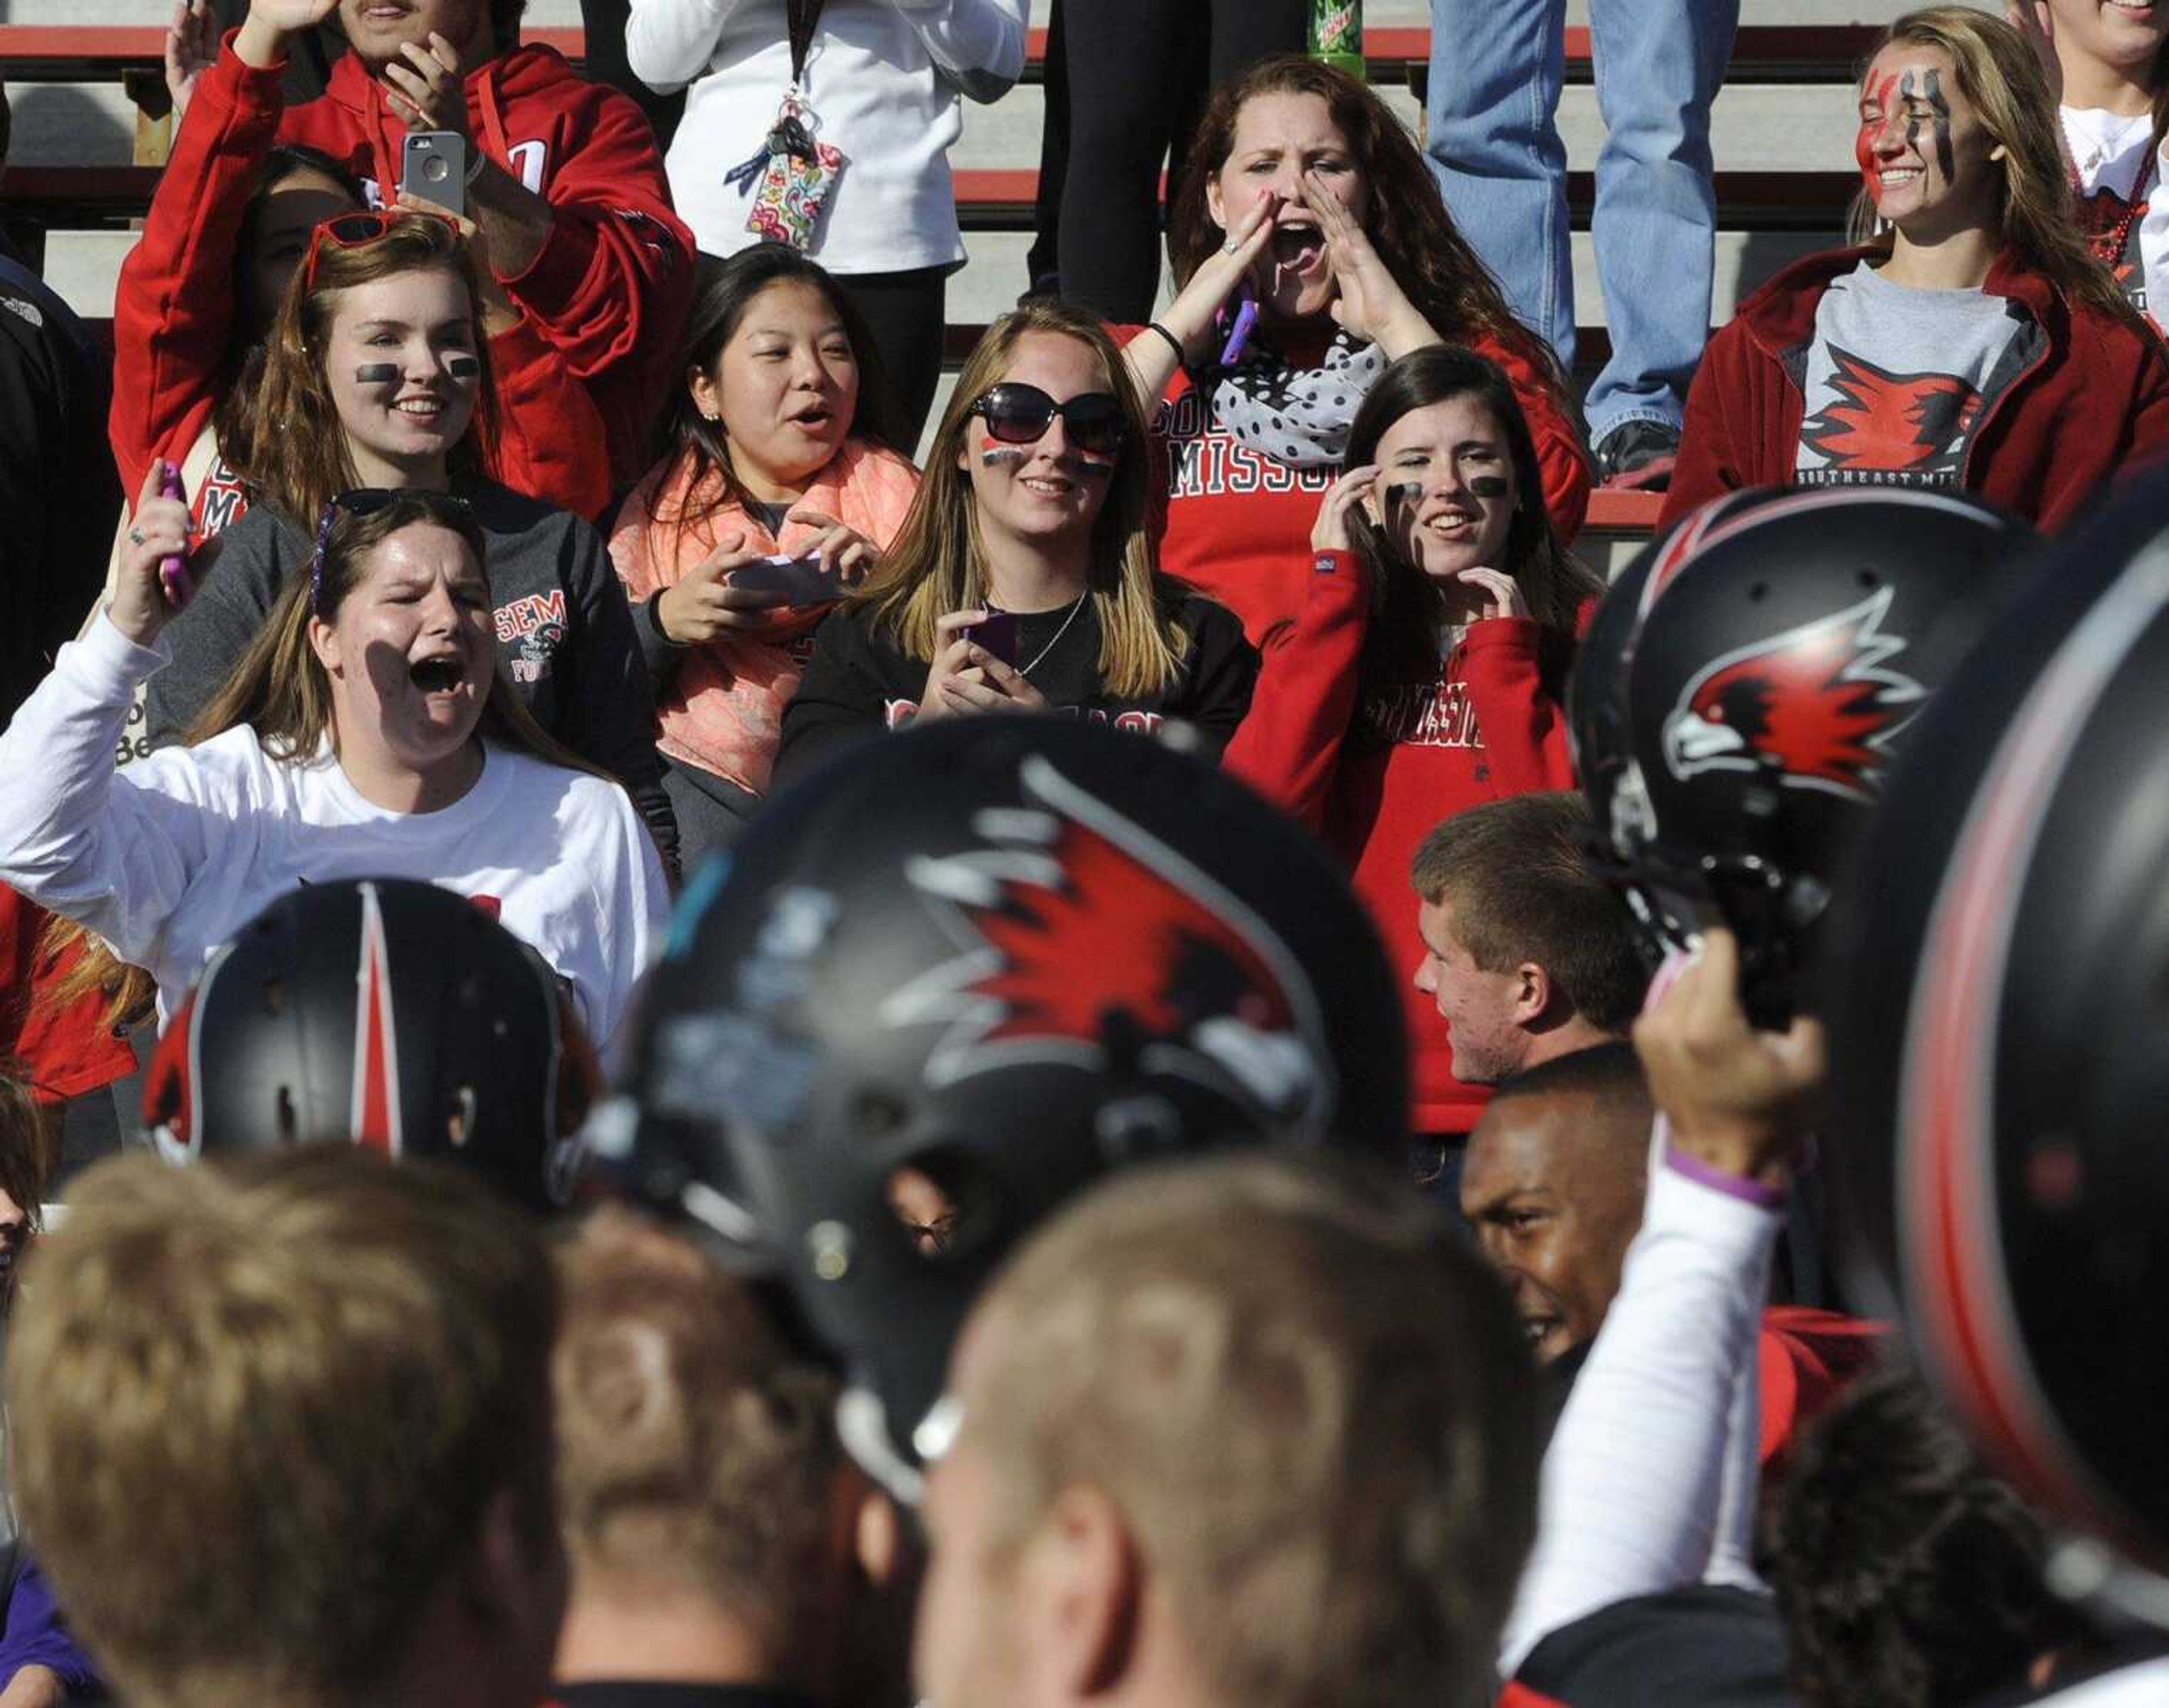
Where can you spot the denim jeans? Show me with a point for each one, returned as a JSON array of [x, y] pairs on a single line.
[[1496, 69]]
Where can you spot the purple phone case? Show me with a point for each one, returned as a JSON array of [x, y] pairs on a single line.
[[998, 635], [173, 569]]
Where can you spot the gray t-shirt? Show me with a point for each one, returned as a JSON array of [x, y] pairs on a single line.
[[1897, 377]]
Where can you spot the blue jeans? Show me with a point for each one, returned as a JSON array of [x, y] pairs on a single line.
[[1495, 71]]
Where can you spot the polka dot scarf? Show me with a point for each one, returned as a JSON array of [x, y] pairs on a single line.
[[1296, 416]]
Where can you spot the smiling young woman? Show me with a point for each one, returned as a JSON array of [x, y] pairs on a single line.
[[1023, 578], [777, 441], [1971, 340], [365, 734], [1306, 200], [1425, 673], [376, 375]]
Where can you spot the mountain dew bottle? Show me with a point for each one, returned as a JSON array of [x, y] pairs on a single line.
[[1336, 34]]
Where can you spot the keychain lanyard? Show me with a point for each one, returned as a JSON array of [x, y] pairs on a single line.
[[804, 17]]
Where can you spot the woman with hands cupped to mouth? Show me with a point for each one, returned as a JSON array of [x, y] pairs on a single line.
[[1311, 249], [1425, 672], [1023, 579]]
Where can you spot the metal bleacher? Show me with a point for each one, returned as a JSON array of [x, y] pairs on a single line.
[[1782, 133]]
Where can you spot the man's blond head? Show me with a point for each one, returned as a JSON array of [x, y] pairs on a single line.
[[259, 1407], [1308, 1400]]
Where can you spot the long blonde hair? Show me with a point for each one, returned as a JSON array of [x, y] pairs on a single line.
[[280, 690], [936, 564], [2003, 82]]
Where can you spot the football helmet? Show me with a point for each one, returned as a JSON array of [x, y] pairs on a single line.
[[379, 1012], [942, 985], [1999, 1063], [1744, 688]]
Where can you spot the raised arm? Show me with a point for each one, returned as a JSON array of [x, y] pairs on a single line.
[[668, 43], [979, 45]]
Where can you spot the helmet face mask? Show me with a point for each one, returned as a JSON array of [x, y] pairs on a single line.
[[946, 986], [1743, 691]]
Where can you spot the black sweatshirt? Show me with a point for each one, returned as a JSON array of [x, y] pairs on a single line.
[[564, 635], [859, 682]]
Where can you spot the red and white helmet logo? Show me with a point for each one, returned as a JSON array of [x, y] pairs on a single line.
[[1080, 934], [1814, 707]]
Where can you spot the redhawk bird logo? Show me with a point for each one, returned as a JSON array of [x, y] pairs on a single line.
[[1816, 706], [1084, 939], [1909, 423]]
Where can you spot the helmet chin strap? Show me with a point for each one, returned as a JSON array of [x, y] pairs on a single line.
[[862, 1426]]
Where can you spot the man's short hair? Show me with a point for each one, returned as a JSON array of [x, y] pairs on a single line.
[[1609, 1073], [1516, 876], [694, 1450], [1309, 1401], [259, 1406], [1905, 1572]]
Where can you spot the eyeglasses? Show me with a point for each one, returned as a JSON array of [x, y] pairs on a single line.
[[359, 229], [364, 501], [1020, 414]]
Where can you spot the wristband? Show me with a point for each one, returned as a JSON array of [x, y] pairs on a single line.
[[1174, 344], [655, 618], [474, 166]]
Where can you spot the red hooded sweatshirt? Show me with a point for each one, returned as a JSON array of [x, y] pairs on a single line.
[[1373, 768], [2092, 399], [1238, 521], [607, 295], [174, 322]]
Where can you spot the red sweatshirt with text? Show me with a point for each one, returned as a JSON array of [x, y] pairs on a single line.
[[608, 293], [1237, 522], [1372, 767]]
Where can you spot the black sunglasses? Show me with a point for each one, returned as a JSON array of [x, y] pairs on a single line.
[[361, 501], [1020, 414]]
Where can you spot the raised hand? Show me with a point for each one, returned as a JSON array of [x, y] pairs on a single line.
[[191, 45], [1334, 530], [2033, 20], [1502, 594], [1190, 316], [157, 530], [702, 605], [262, 39], [1737, 1098], [1372, 304], [423, 89], [966, 677]]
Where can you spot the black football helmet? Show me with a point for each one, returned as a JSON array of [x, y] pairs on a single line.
[[974, 966], [1999, 1061], [1744, 686], [379, 1012]]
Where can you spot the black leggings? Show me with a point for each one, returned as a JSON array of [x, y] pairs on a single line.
[[1139, 72], [903, 310]]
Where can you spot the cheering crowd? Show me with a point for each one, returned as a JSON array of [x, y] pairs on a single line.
[[1409, 1127]]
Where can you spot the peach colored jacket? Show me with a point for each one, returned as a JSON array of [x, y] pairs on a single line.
[[724, 710]]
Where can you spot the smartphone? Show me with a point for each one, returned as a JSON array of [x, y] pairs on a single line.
[[998, 635], [173, 570], [434, 166], [795, 580]]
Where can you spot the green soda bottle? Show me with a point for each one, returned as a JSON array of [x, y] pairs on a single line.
[[1336, 34]]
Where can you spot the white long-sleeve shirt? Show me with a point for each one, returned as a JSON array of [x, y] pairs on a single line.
[[1643, 1488], [169, 859], [883, 79]]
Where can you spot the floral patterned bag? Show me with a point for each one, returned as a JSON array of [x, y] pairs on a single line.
[[790, 176]]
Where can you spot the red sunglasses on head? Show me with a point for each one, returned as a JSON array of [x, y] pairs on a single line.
[[361, 228]]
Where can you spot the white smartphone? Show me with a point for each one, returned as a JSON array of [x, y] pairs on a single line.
[[434, 166], [796, 581]]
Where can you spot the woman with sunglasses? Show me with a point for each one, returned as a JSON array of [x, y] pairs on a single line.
[[1023, 578], [378, 379], [1311, 249], [365, 734], [227, 229], [1425, 673], [777, 444]]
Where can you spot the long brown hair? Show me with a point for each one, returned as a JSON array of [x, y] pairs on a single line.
[[1554, 583], [1407, 221], [280, 690], [936, 564], [696, 448], [2002, 82], [295, 454]]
